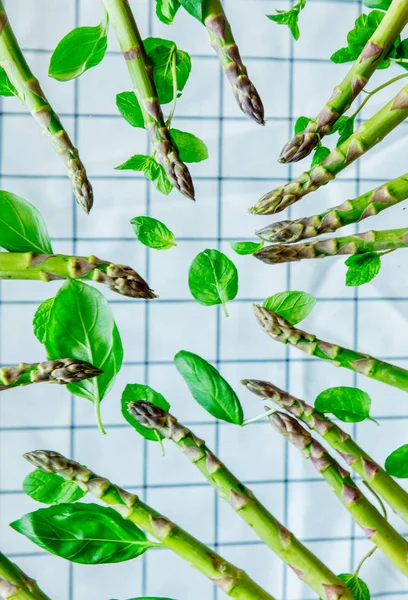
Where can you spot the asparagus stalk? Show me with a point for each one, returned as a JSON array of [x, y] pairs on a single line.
[[279, 329], [62, 371], [30, 93], [356, 79], [359, 243], [372, 473], [375, 526], [15, 585], [141, 74], [223, 42], [305, 564], [351, 211], [48, 267], [231, 580], [367, 135]]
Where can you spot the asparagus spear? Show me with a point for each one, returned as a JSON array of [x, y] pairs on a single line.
[[382, 483], [279, 329], [359, 243], [48, 267], [30, 93], [231, 580], [144, 88], [367, 135], [374, 525], [15, 585], [356, 79], [351, 211], [305, 564], [62, 371]]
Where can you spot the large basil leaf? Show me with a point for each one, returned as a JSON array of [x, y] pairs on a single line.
[[51, 488], [348, 404], [22, 228], [134, 392], [292, 306], [167, 62]]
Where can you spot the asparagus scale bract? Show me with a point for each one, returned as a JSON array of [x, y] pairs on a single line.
[[367, 135], [30, 93], [62, 371], [356, 79], [49, 267], [279, 329], [231, 580], [378, 479], [304, 563], [16, 585]]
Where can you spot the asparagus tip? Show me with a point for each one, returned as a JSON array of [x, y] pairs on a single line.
[[148, 414], [300, 146]]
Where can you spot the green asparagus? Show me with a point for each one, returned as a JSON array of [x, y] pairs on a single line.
[[48, 267], [374, 475], [281, 541], [62, 371], [356, 79], [351, 211], [367, 135], [375, 526], [141, 74], [30, 93], [15, 585], [359, 243], [279, 329], [231, 580]]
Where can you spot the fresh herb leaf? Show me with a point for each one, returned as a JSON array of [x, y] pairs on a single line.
[[195, 8], [213, 278], [191, 148], [51, 488], [166, 10], [87, 534], [292, 306], [345, 129], [402, 54], [134, 392], [348, 404], [167, 60], [343, 55], [6, 87], [151, 169], [396, 463], [356, 586], [362, 268], [22, 228], [301, 124], [129, 107], [41, 318], [245, 248], [209, 388], [320, 154], [290, 18], [380, 4], [153, 233]]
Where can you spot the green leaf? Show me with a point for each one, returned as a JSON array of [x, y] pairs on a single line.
[[245, 248], [191, 148], [348, 404], [344, 55], [87, 534], [81, 325], [396, 463], [195, 8], [153, 233], [380, 4], [41, 318], [22, 228], [134, 392], [129, 108], [151, 169], [290, 17], [301, 124], [402, 54], [6, 87], [209, 388], [213, 278], [80, 50], [166, 10], [166, 60], [356, 586], [346, 129], [362, 268], [50, 488], [292, 306], [319, 155]]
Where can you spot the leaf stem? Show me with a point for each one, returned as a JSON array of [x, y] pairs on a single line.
[[97, 405], [362, 561], [378, 89], [224, 308], [259, 417]]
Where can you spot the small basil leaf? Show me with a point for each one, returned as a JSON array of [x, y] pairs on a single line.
[[166, 10], [290, 18], [301, 124], [244, 248], [292, 306], [134, 392], [356, 586], [167, 61], [348, 404], [22, 228], [50, 488], [191, 148], [153, 233], [129, 108], [87, 534], [362, 268], [195, 8], [343, 55], [380, 4], [6, 87], [396, 463], [319, 155], [41, 318], [151, 169], [209, 388]]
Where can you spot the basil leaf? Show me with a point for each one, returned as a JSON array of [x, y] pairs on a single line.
[[167, 61], [153, 233], [213, 278], [402, 54], [292, 306], [245, 248], [319, 155], [348, 404], [396, 463], [6, 87], [50, 488], [134, 392], [362, 268], [341, 56], [166, 10], [195, 8], [346, 129], [209, 388], [41, 318], [81, 325], [80, 50], [191, 148], [301, 124], [380, 4], [22, 228], [129, 108], [151, 169], [290, 18], [356, 586], [87, 534]]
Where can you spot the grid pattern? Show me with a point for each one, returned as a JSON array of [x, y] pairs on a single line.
[[293, 79]]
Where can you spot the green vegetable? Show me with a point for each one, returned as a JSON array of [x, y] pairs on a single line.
[[153, 233], [362, 268], [348, 404], [50, 488], [135, 392], [290, 17], [130, 110], [191, 148], [292, 306], [301, 124], [381, 4], [152, 170], [16, 585], [171, 67], [6, 87], [396, 463], [356, 585], [245, 248], [41, 318], [166, 10], [320, 154]]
